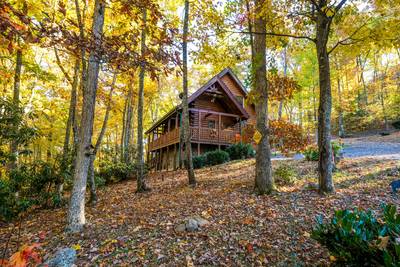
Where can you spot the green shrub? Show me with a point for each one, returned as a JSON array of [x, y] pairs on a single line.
[[199, 161], [396, 124], [285, 175], [216, 157], [311, 152], [112, 172], [240, 151], [358, 238]]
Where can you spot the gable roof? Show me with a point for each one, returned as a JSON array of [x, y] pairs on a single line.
[[196, 94]]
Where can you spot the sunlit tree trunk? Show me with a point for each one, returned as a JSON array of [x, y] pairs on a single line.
[[263, 179], [16, 93], [127, 144], [71, 121], [141, 182], [76, 212], [325, 163], [185, 108], [92, 183]]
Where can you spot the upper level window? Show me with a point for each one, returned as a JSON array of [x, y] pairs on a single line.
[[240, 99], [211, 124]]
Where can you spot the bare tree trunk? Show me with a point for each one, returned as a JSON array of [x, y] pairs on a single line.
[[128, 125], [76, 212], [16, 92], [92, 183], [141, 182], [70, 121], [340, 109], [382, 98], [325, 163], [185, 108], [264, 182]]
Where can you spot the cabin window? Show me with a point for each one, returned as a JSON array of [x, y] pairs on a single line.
[[240, 99], [211, 124]]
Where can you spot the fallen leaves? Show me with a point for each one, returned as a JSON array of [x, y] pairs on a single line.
[[132, 229]]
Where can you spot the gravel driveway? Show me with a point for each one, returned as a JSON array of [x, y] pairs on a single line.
[[356, 148]]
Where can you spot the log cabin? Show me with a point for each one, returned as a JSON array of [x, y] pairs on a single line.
[[218, 115]]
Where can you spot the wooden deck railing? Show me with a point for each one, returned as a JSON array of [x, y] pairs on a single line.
[[203, 135]]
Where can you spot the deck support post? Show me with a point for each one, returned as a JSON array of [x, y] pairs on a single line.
[[219, 131], [174, 163], [198, 149], [167, 158]]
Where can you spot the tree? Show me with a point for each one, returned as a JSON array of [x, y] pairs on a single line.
[[264, 182], [76, 212], [92, 183], [185, 106], [141, 185]]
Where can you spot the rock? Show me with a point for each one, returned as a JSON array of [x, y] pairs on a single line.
[[192, 225], [180, 228], [64, 257], [201, 222]]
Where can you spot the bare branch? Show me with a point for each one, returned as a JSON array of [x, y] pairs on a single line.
[[349, 38], [61, 66], [276, 34]]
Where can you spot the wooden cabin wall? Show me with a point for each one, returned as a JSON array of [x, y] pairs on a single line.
[[231, 84], [204, 102], [235, 89]]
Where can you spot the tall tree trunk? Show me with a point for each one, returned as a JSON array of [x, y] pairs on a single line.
[[284, 74], [71, 121], [263, 180], [92, 183], [186, 125], [141, 182], [16, 100], [325, 163], [340, 108], [127, 144], [76, 212]]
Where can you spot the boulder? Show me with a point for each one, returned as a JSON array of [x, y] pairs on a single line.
[[191, 224], [64, 257]]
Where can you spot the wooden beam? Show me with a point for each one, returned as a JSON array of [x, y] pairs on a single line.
[[214, 112]]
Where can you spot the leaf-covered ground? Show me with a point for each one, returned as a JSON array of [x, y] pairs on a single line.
[[138, 229]]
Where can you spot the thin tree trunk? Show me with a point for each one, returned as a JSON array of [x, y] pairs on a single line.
[[186, 118], [128, 125], [325, 163], [92, 183], [141, 182], [340, 109], [70, 121], [76, 212], [16, 100], [263, 180]]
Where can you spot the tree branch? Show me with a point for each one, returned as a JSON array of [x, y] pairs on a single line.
[[343, 42], [61, 66], [276, 34]]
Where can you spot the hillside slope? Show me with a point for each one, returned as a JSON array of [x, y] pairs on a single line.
[[126, 228]]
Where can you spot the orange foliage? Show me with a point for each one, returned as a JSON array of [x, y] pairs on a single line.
[[26, 254], [285, 136], [281, 87]]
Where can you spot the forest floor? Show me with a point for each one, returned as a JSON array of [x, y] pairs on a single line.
[[128, 229]]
